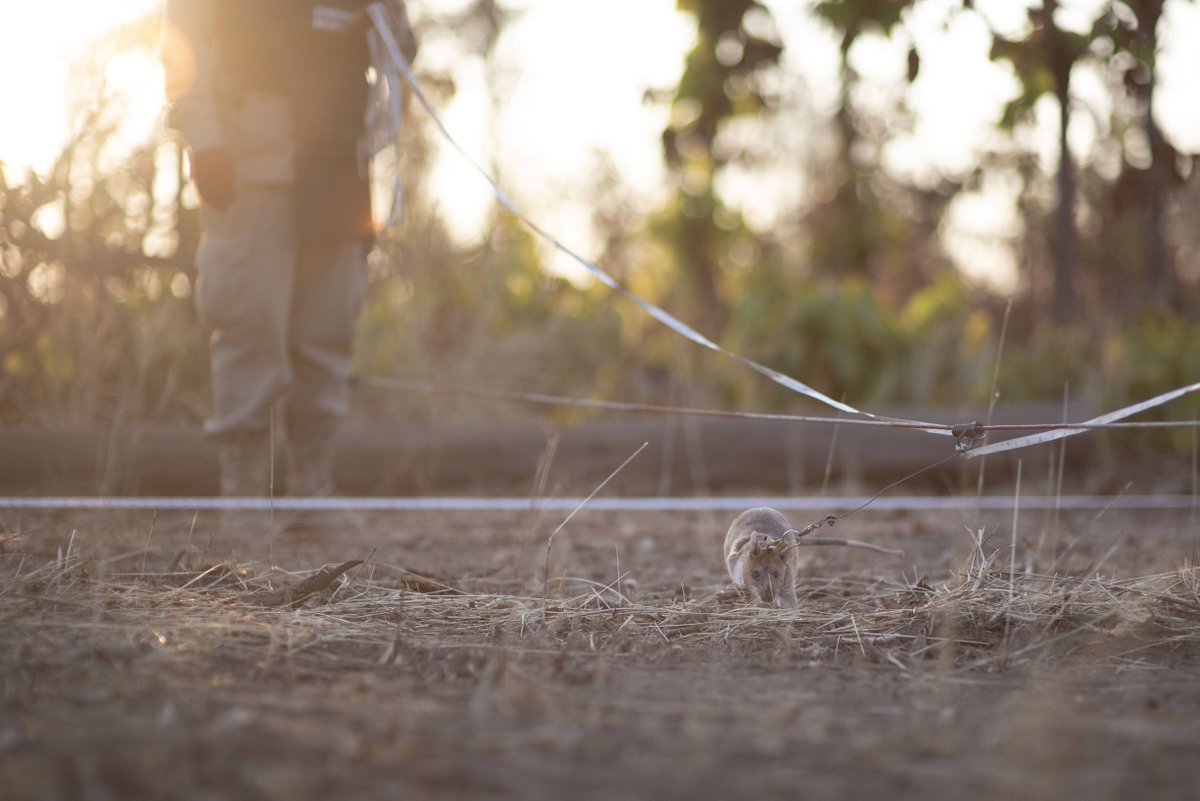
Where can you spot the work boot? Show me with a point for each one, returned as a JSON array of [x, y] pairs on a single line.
[[310, 475], [310, 466], [245, 464]]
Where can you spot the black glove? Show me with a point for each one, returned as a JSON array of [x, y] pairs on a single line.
[[213, 174]]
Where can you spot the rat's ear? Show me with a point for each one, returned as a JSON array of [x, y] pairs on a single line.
[[757, 541]]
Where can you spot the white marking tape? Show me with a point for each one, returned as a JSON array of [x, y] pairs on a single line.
[[509, 504], [1111, 417]]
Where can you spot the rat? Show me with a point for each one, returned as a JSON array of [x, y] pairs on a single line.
[[760, 552]]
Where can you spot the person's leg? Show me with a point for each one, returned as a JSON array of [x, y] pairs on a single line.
[[246, 262], [327, 300]]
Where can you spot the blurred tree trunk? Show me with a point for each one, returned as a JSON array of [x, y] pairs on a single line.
[[1157, 261], [725, 64], [1162, 155], [855, 257], [1043, 59], [1061, 61]]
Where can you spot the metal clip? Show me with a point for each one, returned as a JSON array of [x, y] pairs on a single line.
[[968, 436]]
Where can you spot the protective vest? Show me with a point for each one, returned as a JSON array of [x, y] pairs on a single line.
[[284, 46]]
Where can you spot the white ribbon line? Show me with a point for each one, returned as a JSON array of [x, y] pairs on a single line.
[[1059, 433], [660, 504]]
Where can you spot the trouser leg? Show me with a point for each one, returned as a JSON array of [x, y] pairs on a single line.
[[246, 270], [327, 299], [243, 297]]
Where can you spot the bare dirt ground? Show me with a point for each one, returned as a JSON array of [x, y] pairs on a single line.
[[142, 658]]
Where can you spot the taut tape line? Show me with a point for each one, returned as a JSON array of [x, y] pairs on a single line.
[[1059, 433]]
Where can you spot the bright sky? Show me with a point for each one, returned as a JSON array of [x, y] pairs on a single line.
[[38, 42], [574, 73]]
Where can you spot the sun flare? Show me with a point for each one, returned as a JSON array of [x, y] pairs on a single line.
[[42, 42]]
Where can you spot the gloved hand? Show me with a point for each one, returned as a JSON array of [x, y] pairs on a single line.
[[213, 174]]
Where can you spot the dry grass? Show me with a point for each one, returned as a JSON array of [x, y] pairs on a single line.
[[372, 679], [982, 617]]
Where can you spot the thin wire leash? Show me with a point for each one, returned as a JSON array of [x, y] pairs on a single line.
[[966, 430], [969, 437], [831, 519]]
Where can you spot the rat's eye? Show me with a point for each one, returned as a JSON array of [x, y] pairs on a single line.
[[774, 574], [756, 574]]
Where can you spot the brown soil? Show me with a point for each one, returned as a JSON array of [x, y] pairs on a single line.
[[142, 658]]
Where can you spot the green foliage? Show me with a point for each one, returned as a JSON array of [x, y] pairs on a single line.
[[1160, 351], [1111, 366], [842, 337], [854, 17], [951, 342], [1039, 60]]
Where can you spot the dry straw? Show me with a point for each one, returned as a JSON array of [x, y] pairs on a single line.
[[990, 615]]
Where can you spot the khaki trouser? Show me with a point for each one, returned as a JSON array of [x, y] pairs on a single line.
[[282, 312]]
